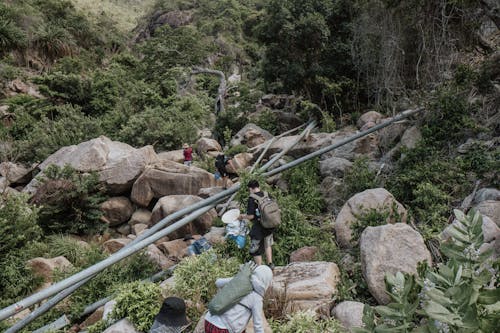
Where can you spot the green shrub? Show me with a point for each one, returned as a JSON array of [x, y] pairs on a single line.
[[430, 208], [69, 201], [268, 121], [236, 150], [304, 183], [358, 178], [16, 280], [18, 223], [194, 279], [70, 88], [139, 302], [370, 218], [306, 322]]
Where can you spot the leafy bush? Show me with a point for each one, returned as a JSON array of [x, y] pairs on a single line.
[[370, 218], [358, 178], [166, 127], [268, 121], [18, 223], [139, 302], [304, 183], [236, 150], [69, 201], [194, 279], [459, 295], [16, 280], [306, 322]]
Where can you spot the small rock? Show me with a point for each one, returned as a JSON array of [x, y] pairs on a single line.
[[390, 248], [334, 167], [93, 318], [411, 137], [175, 248], [138, 228], [140, 216], [490, 208], [115, 244], [123, 326], [46, 267], [117, 210], [349, 313], [205, 145], [158, 257], [239, 162], [306, 253], [216, 235], [124, 229], [15, 173], [370, 116]]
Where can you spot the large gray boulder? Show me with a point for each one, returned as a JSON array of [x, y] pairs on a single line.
[[390, 248], [306, 286], [118, 164], [173, 155], [251, 135], [334, 167], [377, 198], [46, 268], [208, 146], [369, 117], [170, 178], [172, 203], [349, 313]]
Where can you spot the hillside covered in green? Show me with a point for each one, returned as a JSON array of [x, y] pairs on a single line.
[[142, 73]]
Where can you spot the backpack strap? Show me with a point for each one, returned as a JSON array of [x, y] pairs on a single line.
[[257, 198]]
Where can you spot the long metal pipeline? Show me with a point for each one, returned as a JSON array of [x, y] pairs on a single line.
[[201, 207]]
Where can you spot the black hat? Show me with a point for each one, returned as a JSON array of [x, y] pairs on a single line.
[[172, 312]]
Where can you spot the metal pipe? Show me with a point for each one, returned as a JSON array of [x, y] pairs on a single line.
[[141, 243], [321, 151], [100, 266]]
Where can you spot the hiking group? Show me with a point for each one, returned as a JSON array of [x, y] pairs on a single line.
[[241, 297]]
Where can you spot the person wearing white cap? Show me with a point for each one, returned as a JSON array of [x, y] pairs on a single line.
[[236, 319]]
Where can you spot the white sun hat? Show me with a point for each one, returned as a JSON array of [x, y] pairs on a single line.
[[230, 216]]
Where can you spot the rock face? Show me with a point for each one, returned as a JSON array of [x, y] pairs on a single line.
[[490, 208], [206, 145], [334, 167], [174, 156], [216, 235], [377, 198], [251, 135], [390, 248], [349, 313], [306, 253], [15, 173], [170, 204], [306, 285], [209, 191], [169, 178], [158, 257], [176, 248], [369, 117], [117, 210], [46, 267], [117, 164], [240, 162], [115, 244], [140, 216], [122, 326]]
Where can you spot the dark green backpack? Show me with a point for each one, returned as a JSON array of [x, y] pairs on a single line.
[[232, 293]]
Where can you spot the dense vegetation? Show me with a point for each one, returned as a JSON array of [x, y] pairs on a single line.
[[118, 72]]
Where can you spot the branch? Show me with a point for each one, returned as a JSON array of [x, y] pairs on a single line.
[[221, 92]]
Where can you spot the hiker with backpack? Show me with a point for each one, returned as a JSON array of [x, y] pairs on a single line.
[[264, 212], [187, 151], [241, 298], [221, 161]]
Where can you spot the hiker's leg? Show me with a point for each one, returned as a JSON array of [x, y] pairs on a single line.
[[268, 248]]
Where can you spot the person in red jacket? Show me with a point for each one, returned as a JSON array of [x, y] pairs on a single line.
[[188, 154]]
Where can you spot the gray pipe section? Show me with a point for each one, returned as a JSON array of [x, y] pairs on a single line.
[[100, 266], [141, 243], [321, 151]]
